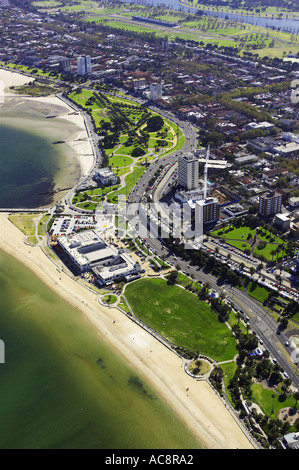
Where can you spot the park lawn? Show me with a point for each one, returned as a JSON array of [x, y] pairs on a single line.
[[121, 171], [130, 181], [257, 292], [88, 206], [26, 223], [128, 26], [233, 233], [239, 244], [126, 149], [109, 299], [266, 252], [120, 161], [263, 397], [229, 370], [267, 236], [181, 317], [81, 98]]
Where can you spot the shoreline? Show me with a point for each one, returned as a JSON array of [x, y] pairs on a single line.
[[241, 12], [79, 142], [200, 409]]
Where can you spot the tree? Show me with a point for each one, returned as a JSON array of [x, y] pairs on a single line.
[[137, 152], [155, 123], [172, 278]]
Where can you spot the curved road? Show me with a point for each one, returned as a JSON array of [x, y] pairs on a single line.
[[260, 322]]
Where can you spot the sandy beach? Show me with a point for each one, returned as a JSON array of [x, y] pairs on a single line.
[[195, 403], [199, 407], [79, 142]]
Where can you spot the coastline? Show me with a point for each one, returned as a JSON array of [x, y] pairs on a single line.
[[236, 12], [199, 408], [79, 142]]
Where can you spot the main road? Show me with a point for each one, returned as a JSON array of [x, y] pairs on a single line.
[[258, 319]]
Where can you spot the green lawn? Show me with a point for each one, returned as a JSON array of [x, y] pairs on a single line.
[[120, 161], [267, 236], [130, 180], [263, 397], [266, 252], [258, 292], [232, 233], [181, 317], [239, 244], [235, 236], [109, 299]]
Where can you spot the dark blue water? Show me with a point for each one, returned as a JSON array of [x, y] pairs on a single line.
[[285, 24], [28, 166]]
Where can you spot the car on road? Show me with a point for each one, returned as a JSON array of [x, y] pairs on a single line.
[[287, 343]]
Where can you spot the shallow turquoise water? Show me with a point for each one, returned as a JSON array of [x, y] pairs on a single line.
[[61, 387]]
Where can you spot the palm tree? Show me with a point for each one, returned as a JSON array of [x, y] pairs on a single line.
[[273, 396], [296, 396], [163, 259], [221, 296]]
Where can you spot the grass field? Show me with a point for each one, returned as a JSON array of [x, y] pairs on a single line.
[[235, 236], [233, 233], [181, 318], [257, 292], [27, 224], [267, 252], [130, 181], [263, 397], [239, 244]]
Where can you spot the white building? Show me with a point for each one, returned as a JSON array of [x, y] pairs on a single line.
[[282, 221], [87, 251], [83, 65], [188, 171], [155, 91], [291, 440], [106, 176], [294, 202]]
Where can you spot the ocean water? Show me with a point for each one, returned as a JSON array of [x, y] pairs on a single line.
[[61, 386], [35, 157]]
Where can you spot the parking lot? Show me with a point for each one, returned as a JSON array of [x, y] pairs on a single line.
[[66, 225]]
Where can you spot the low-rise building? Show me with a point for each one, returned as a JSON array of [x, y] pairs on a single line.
[[282, 222], [291, 440], [87, 251], [294, 202], [106, 176]]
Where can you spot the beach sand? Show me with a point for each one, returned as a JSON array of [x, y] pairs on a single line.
[[195, 403], [198, 407]]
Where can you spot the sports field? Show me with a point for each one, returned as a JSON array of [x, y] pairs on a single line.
[[181, 317]]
